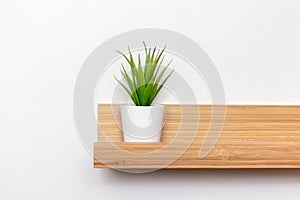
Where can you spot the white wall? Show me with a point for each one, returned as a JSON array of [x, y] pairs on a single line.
[[255, 45]]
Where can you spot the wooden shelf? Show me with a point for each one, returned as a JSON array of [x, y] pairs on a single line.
[[257, 136]]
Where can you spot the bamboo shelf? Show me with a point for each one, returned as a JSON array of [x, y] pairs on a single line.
[[253, 136]]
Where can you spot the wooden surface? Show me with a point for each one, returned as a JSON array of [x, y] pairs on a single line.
[[252, 137]]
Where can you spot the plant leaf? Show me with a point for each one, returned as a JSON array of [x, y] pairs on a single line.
[[162, 72], [160, 86], [130, 83], [136, 101]]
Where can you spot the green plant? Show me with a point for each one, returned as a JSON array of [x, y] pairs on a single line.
[[146, 81]]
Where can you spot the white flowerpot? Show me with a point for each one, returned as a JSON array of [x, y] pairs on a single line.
[[142, 123]]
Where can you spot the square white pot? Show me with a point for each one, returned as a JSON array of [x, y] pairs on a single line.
[[142, 123]]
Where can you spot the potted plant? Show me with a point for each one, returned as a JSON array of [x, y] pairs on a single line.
[[143, 121]]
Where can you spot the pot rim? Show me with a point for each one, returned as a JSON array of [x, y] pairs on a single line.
[[132, 105]]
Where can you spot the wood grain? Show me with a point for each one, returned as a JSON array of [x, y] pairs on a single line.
[[253, 136]]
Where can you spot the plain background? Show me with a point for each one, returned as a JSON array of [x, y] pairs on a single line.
[[255, 45]]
